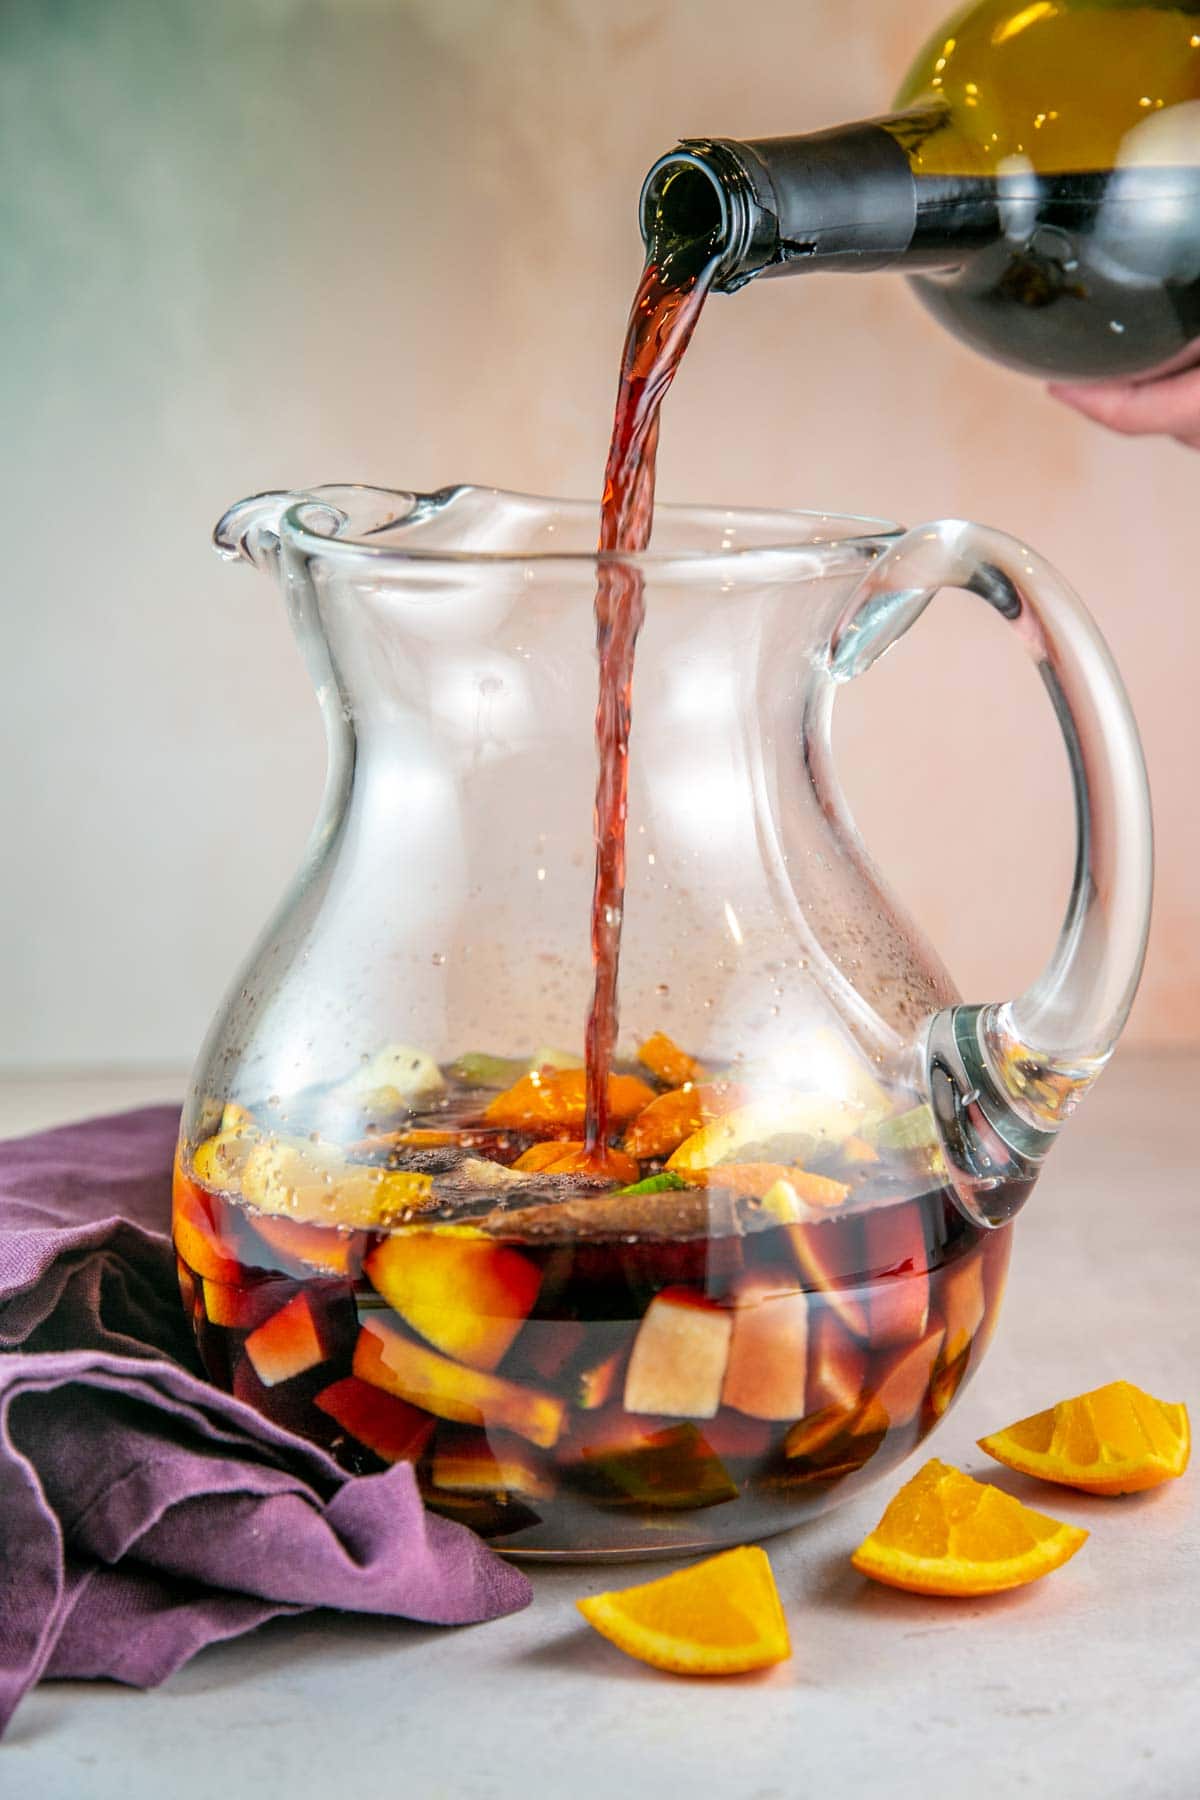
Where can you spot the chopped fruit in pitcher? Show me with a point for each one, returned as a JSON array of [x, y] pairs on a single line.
[[721, 1617], [679, 1357], [388, 1359], [287, 1343], [674, 1468], [667, 1062], [393, 1430], [688, 1331], [466, 1462], [558, 1158], [463, 1295], [946, 1534], [1114, 1440], [963, 1304], [767, 1370], [671, 1118], [309, 1184], [554, 1104], [805, 1127]]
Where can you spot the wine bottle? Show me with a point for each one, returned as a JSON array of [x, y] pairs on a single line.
[[1039, 182]]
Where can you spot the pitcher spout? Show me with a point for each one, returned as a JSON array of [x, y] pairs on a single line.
[[249, 531]]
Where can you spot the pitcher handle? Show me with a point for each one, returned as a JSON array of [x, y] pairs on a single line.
[[1003, 1077]]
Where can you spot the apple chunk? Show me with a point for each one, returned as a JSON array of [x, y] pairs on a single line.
[[390, 1360], [464, 1295], [289, 1342], [837, 1365], [829, 1256], [768, 1353], [679, 1357], [395, 1431]]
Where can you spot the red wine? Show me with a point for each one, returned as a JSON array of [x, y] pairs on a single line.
[[668, 302]]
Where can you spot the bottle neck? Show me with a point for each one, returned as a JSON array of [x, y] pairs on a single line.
[[845, 199]]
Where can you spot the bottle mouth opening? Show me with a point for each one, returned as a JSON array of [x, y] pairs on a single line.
[[700, 201]]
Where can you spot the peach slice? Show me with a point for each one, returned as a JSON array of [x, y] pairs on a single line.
[[897, 1257], [390, 1360], [829, 1256], [679, 1357], [766, 1373], [837, 1365], [960, 1292], [667, 1121], [464, 1295], [289, 1342], [558, 1158], [198, 1236], [395, 1431], [667, 1062], [550, 1104], [470, 1463], [898, 1395]]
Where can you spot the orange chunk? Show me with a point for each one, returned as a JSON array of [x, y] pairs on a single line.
[[287, 1343], [464, 1295], [298, 1246], [819, 1190], [243, 1308], [595, 1385], [388, 1359], [187, 1286], [751, 1180], [550, 1102], [198, 1236], [1114, 1440], [946, 1534], [768, 1353], [395, 1431], [677, 1364], [558, 1158], [665, 1123], [667, 1062], [720, 1617]]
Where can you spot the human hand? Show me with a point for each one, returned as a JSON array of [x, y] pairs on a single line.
[[1168, 407]]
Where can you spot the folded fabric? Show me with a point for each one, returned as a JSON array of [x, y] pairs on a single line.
[[143, 1513]]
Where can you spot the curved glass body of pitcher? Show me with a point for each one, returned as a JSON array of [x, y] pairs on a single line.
[[385, 1236]]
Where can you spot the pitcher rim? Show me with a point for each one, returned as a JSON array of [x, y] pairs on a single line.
[[283, 514]]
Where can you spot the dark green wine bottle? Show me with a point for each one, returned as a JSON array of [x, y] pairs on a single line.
[[1039, 181]]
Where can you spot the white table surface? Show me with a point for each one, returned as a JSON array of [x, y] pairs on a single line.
[[1086, 1684]]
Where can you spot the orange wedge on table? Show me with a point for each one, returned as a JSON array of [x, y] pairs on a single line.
[[1114, 1440], [720, 1617], [946, 1534]]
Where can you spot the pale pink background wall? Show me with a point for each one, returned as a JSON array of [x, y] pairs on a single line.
[[266, 242]]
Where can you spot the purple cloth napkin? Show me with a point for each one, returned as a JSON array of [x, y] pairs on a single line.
[[144, 1514]]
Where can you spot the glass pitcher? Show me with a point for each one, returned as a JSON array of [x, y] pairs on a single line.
[[386, 1235]]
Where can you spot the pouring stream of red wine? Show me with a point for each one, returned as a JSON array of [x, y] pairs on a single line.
[[668, 302]]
